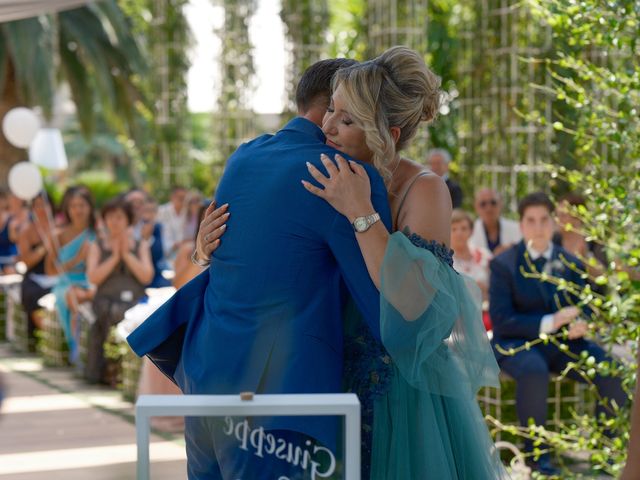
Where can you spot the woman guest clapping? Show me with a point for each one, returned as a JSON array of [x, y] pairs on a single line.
[[120, 267]]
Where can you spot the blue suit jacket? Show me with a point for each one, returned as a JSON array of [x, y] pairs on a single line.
[[517, 304], [267, 315]]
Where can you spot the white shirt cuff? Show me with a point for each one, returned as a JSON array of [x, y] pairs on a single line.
[[546, 324]]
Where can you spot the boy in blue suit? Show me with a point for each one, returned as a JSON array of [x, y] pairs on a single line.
[[522, 308], [267, 315]]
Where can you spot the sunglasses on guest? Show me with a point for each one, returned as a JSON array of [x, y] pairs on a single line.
[[485, 203]]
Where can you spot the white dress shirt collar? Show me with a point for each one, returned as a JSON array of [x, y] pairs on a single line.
[[534, 255]]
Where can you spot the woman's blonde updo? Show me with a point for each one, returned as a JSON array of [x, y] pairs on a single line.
[[396, 89]]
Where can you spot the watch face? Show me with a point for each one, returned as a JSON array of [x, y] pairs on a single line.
[[360, 224]]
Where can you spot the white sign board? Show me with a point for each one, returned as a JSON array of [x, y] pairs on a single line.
[[346, 405]]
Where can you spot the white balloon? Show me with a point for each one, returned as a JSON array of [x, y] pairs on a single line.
[[25, 181], [47, 150], [20, 126]]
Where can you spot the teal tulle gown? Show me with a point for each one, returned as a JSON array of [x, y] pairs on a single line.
[[418, 390], [74, 277]]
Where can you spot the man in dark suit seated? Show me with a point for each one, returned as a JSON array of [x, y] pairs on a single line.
[[523, 308]]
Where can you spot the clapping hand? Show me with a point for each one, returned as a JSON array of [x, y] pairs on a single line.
[[116, 247], [124, 243]]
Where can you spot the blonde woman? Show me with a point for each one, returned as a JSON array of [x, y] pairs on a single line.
[[426, 422], [420, 417]]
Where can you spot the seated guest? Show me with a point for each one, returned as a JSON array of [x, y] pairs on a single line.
[[438, 160], [192, 221], [522, 308], [173, 217], [491, 231], [146, 227], [35, 240], [151, 231], [470, 260], [11, 220], [467, 259], [152, 381], [68, 260], [570, 235], [185, 268], [120, 267]]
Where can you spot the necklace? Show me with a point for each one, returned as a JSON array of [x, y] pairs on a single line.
[[392, 191]]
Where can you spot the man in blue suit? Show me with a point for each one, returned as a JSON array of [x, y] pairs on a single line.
[[267, 315], [523, 307]]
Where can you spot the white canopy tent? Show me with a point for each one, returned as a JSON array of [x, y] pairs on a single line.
[[17, 9]]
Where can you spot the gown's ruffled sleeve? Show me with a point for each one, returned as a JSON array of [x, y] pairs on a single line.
[[429, 424], [431, 321]]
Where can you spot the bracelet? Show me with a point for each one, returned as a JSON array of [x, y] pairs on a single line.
[[200, 263]]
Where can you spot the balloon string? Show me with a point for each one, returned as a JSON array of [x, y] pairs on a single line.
[[56, 245]]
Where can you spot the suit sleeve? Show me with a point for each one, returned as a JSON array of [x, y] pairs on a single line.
[[456, 195], [507, 321], [345, 248]]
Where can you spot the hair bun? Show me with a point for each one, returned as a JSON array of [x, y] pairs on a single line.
[[409, 72], [431, 103]]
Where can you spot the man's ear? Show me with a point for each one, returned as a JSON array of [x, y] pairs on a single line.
[[395, 133]]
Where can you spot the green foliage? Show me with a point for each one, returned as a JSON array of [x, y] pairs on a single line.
[[596, 86], [207, 167], [28, 51], [306, 23], [163, 152], [101, 184], [233, 122], [98, 57], [347, 34]]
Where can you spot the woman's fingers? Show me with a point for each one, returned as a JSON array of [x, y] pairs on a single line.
[[332, 170], [215, 229], [214, 234], [210, 208], [213, 215], [313, 189], [317, 174], [219, 222], [343, 166], [210, 247], [358, 169]]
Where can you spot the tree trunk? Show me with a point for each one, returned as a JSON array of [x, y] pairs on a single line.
[[9, 155]]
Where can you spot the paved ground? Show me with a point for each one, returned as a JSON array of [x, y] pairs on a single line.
[[52, 425]]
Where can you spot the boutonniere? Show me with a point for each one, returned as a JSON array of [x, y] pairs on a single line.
[[553, 267]]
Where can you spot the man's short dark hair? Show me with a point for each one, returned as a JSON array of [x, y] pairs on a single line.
[[536, 199], [315, 84]]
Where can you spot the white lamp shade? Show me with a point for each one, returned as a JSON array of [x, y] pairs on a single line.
[[47, 150], [19, 126], [25, 181]]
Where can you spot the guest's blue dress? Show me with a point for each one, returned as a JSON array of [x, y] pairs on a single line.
[[77, 276], [8, 250], [420, 415]]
